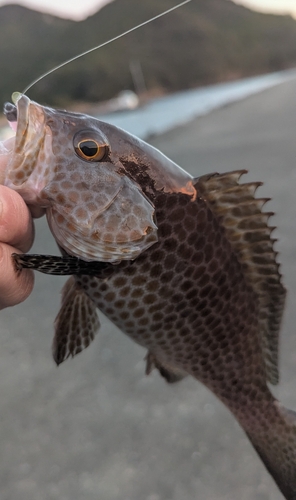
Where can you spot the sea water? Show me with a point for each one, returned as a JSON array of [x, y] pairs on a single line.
[[165, 113]]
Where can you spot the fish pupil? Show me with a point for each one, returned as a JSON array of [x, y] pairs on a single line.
[[89, 145], [89, 148]]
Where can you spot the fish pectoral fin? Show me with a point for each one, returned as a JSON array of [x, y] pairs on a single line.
[[76, 323], [59, 266], [170, 373]]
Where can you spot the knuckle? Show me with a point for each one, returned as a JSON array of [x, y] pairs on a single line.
[[16, 226], [15, 286]]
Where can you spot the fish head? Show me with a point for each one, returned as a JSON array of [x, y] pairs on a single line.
[[70, 165]]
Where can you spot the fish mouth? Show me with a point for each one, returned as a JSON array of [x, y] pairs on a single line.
[[6, 149], [10, 111], [7, 145], [23, 172], [25, 119]]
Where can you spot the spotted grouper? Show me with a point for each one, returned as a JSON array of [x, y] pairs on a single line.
[[184, 266]]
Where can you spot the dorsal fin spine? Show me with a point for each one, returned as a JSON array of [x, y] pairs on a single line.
[[247, 229]]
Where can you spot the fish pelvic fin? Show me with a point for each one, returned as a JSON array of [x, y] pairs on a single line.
[[170, 373], [273, 436], [76, 323], [247, 229]]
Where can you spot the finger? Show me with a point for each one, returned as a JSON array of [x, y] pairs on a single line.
[[36, 211], [3, 163], [16, 226], [6, 148], [15, 286]]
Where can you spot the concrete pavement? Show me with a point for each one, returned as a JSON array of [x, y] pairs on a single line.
[[96, 428]]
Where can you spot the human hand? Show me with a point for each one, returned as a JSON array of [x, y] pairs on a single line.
[[16, 236]]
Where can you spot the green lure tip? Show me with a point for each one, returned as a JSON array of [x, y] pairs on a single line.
[[15, 96]]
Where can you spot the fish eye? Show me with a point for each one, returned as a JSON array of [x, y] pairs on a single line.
[[90, 148]]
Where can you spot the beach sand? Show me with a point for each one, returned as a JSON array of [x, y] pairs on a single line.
[[96, 427]]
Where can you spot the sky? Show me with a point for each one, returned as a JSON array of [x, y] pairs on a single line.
[[274, 6], [71, 9], [77, 9]]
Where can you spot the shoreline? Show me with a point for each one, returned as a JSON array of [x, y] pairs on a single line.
[[164, 113], [171, 111]]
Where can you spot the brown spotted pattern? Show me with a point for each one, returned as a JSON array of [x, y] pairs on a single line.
[[187, 301], [186, 298], [94, 212], [28, 170], [100, 224], [195, 279]]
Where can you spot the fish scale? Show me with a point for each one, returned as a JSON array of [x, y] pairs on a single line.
[[185, 299], [198, 284]]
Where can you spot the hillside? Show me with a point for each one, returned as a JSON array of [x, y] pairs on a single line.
[[203, 42]]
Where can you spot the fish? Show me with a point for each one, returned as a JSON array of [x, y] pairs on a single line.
[[184, 266]]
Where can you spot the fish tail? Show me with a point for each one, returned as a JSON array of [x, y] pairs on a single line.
[[272, 432]]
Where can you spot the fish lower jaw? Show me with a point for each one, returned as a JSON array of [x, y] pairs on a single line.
[[30, 192]]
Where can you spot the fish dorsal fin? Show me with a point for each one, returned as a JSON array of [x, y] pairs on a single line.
[[250, 236]]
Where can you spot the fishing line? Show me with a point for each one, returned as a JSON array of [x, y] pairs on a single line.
[[101, 45]]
